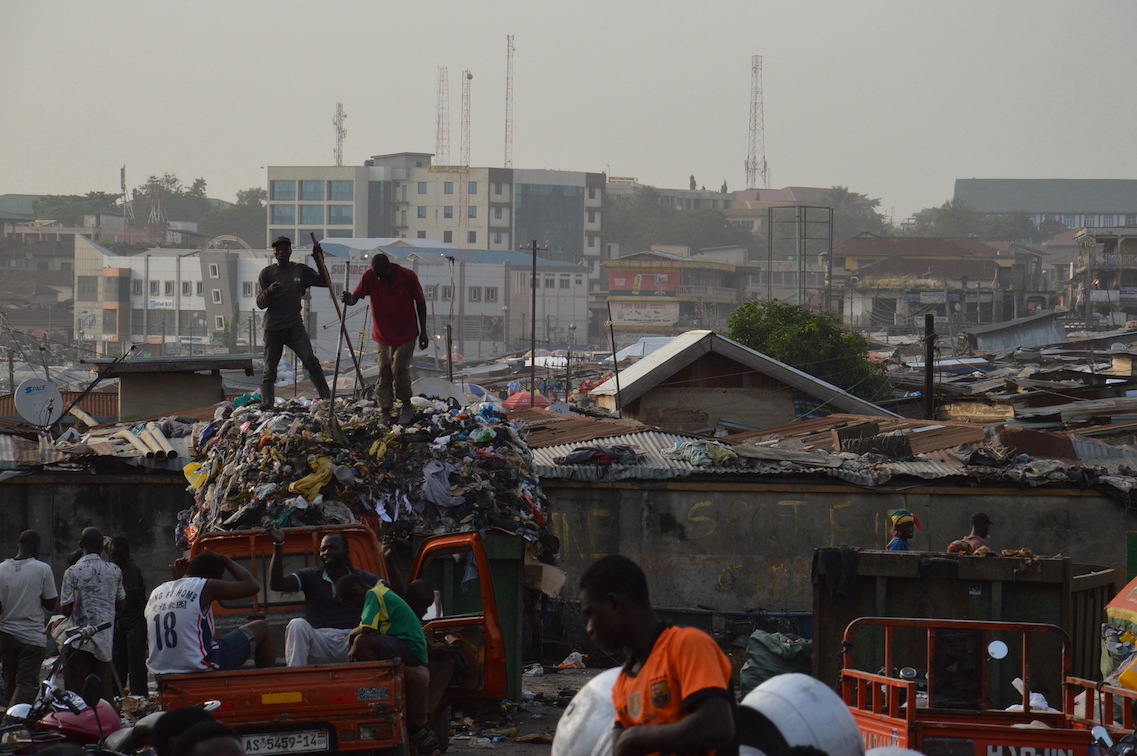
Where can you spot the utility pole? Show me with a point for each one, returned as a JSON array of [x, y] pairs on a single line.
[[929, 365]]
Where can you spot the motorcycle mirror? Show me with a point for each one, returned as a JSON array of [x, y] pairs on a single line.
[[908, 673], [19, 711], [211, 705], [1101, 736], [92, 690], [997, 649]]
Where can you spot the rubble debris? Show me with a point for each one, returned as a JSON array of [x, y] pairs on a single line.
[[450, 469]]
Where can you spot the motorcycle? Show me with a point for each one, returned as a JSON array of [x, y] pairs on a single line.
[[1103, 744], [58, 714]]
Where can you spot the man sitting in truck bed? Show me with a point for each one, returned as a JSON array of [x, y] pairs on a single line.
[[320, 636], [179, 619], [389, 628]]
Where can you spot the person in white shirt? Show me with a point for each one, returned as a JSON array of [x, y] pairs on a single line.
[[91, 594], [27, 590], [179, 620]]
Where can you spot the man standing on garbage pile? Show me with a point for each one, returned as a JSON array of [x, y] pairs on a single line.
[[27, 589], [673, 694], [980, 527], [179, 619], [320, 636], [129, 641], [904, 526], [92, 594], [389, 628], [280, 288], [398, 310]]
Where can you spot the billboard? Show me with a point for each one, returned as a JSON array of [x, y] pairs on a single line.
[[645, 313], [643, 283]]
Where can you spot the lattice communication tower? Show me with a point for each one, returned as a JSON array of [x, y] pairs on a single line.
[[756, 167], [442, 131], [509, 101], [341, 132]]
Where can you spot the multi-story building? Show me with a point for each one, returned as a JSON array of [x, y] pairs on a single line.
[[1096, 203], [1107, 271]]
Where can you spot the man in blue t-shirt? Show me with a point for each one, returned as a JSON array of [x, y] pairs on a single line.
[[321, 635]]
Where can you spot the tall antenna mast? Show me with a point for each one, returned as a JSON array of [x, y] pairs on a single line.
[[509, 101], [467, 77], [442, 132], [756, 167], [341, 132], [127, 208]]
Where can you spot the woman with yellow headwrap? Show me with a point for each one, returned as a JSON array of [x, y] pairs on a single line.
[[904, 524]]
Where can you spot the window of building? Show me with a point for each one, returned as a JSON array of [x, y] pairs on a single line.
[[219, 322], [591, 241], [340, 233], [168, 289], [187, 288], [216, 296], [565, 282], [472, 211], [341, 191], [154, 288], [311, 215], [497, 237], [475, 294], [214, 271], [312, 191], [282, 214], [110, 321], [448, 211], [340, 215], [473, 187], [1131, 220], [491, 293], [448, 237], [65, 266], [550, 283], [431, 292], [471, 237], [447, 293], [420, 235], [497, 188], [422, 211], [135, 289], [592, 192], [497, 213], [1069, 221], [1088, 220], [284, 191], [447, 187], [519, 280], [246, 288], [591, 216], [422, 187], [199, 288]]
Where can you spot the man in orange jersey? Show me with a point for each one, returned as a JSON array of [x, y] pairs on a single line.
[[673, 694]]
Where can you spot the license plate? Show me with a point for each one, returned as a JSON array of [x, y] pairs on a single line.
[[301, 741]]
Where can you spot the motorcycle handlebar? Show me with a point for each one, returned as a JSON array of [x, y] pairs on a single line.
[[87, 632]]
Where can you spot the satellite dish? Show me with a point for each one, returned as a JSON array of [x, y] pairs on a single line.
[[39, 402]]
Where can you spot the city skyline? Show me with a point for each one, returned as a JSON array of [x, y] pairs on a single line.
[[892, 99]]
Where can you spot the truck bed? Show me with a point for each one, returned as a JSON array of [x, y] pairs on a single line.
[[322, 708]]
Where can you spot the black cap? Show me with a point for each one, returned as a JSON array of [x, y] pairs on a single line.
[[281, 240], [981, 518]]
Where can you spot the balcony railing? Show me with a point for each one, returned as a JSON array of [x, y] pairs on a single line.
[[708, 292]]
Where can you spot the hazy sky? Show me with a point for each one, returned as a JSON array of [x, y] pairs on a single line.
[[892, 99]]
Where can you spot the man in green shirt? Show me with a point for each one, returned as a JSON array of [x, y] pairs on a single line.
[[389, 628]]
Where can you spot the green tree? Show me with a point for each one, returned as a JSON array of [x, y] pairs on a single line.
[[854, 213], [178, 202], [723, 190], [814, 343], [69, 209], [638, 222], [954, 219]]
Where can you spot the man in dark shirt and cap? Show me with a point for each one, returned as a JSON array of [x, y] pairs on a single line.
[[280, 288]]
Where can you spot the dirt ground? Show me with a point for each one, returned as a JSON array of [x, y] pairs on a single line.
[[546, 696]]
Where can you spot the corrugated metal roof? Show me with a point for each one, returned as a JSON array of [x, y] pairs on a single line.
[[923, 435], [652, 465], [98, 404], [544, 428]]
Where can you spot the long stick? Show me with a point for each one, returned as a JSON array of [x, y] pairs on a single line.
[[339, 342], [318, 254]]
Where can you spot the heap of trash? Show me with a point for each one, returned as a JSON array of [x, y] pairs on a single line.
[[298, 463]]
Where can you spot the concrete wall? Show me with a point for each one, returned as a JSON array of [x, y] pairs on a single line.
[[144, 508], [740, 546]]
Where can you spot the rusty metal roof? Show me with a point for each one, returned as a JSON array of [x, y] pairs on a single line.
[[817, 435], [544, 428], [98, 404]]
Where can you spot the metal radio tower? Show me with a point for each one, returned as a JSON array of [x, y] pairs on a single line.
[[341, 132], [467, 77], [509, 101], [756, 167], [442, 132]]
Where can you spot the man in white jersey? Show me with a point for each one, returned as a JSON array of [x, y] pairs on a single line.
[[179, 620], [27, 589]]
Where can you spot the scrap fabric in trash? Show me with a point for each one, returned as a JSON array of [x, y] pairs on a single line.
[[451, 469]]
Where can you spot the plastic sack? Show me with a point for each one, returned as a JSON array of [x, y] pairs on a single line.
[[772, 654], [585, 729]]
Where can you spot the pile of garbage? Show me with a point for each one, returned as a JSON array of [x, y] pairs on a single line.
[[297, 464]]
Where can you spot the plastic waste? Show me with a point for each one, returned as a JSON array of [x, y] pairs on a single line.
[[575, 660]]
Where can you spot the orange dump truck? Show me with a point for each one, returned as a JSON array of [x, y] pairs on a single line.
[[970, 688], [358, 706]]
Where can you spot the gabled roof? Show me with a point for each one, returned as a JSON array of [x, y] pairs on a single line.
[[1049, 195], [686, 348], [18, 207], [871, 245]]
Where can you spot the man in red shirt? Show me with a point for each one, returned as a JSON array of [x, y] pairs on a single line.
[[673, 694], [398, 310]]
